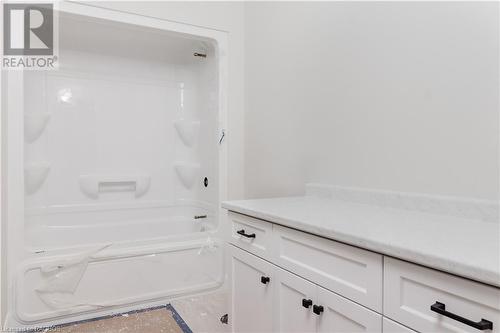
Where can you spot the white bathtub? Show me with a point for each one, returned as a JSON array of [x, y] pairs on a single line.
[[110, 158]]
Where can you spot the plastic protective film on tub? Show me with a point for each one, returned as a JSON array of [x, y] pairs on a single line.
[[60, 281]]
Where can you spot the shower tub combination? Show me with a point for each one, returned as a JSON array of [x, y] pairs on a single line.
[[115, 169]]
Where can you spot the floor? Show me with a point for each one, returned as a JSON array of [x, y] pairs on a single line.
[[162, 319], [200, 314], [203, 312]]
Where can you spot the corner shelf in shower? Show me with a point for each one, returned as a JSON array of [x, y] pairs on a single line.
[[187, 130], [35, 175], [93, 185], [187, 172], [34, 124]]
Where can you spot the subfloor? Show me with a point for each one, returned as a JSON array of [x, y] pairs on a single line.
[[202, 312], [162, 319]]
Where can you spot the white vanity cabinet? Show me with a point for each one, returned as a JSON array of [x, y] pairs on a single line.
[[286, 280]]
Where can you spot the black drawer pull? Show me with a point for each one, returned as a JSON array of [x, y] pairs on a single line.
[[242, 233], [307, 303], [265, 279], [317, 309], [482, 325]]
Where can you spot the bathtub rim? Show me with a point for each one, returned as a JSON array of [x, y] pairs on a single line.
[[185, 206]]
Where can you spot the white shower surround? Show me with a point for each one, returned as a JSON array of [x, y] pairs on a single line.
[[140, 240]]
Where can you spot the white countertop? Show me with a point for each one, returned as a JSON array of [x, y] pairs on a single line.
[[462, 246]]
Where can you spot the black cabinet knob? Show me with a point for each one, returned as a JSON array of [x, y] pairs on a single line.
[[307, 303], [265, 279], [317, 309]]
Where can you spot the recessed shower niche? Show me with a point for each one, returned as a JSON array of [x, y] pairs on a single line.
[[114, 148]]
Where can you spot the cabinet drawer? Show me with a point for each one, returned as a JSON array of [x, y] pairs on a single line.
[[410, 291], [389, 326], [251, 234], [351, 272]]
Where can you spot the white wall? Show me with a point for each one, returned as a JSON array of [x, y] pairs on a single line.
[[224, 16], [396, 95]]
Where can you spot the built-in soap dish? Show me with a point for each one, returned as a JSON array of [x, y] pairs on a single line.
[[34, 124], [187, 130], [187, 172], [34, 176], [93, 185]]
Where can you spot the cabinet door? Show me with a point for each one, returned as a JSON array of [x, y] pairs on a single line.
[[294, 297], [252, 292], [340, 315]]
